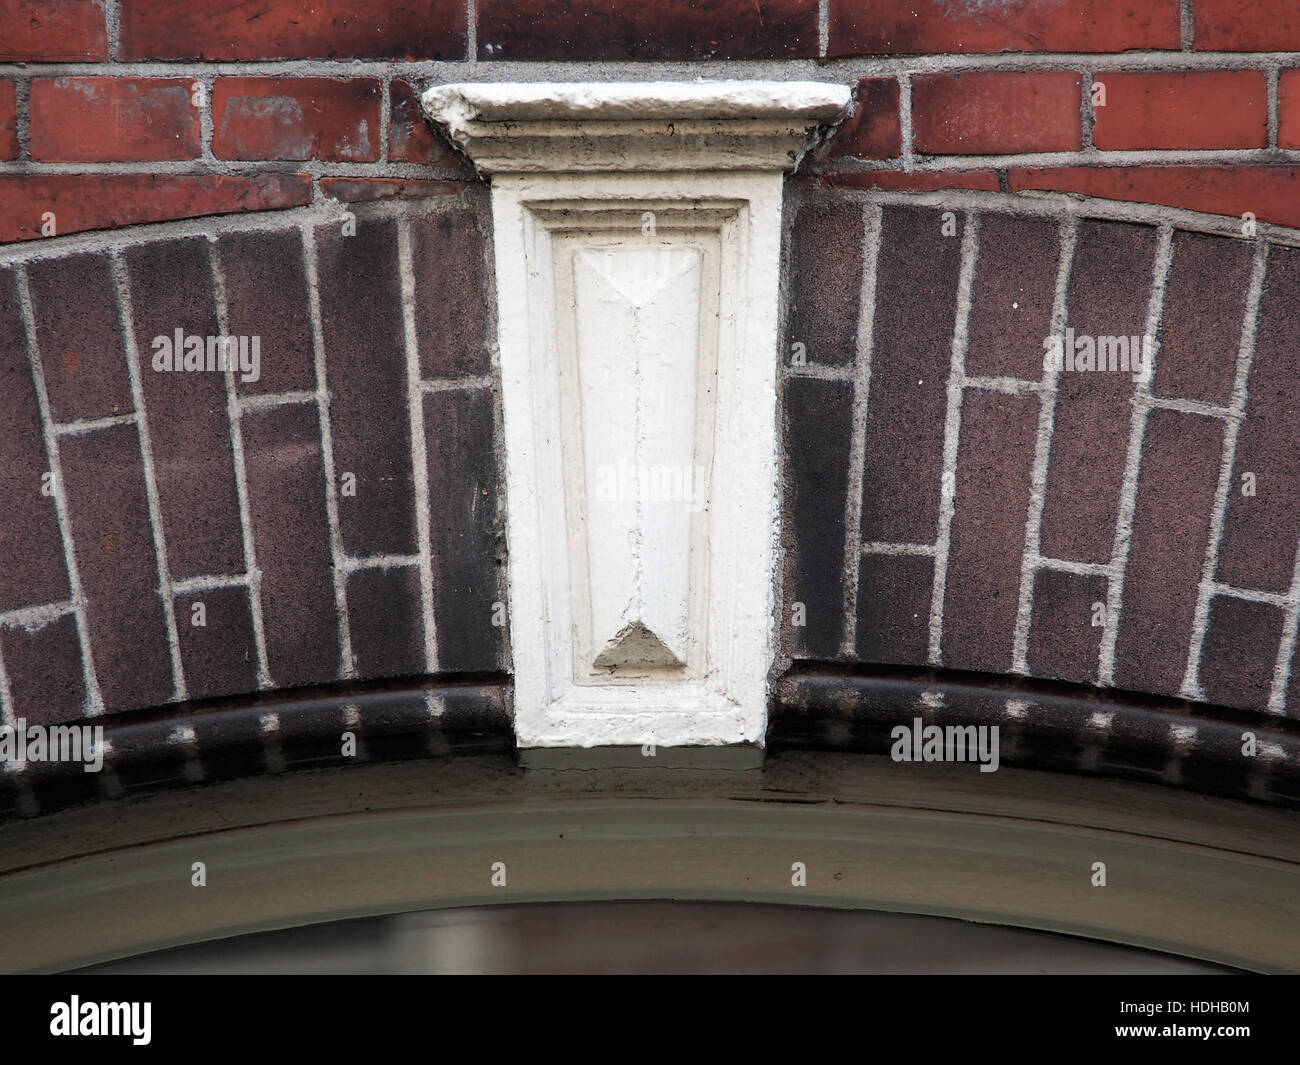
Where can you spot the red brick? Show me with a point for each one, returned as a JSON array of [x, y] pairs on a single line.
[[913, 181], [332, 119], [365, 190], [8, 121], [866, 27], [101, 120], [894, 608], [1240, 652], [874, 131], [324, 29], [826, 276], [51, 31], [411, 139], [1246, 26], [82, 202], [1271, 193], [43, 664], [996, 113], [647, 29], [1063, 642], [1196, 109], [1288, 109], [449, 263]]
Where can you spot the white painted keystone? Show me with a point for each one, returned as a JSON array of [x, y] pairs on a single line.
[[637, 240]]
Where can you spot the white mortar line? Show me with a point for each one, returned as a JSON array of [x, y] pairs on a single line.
[[448, 384], [1286, 649], [1186, 26], [907, 158], [872, 223], [352, 564], [1133, 460], [89, 425], [1271, 77], [471, 34], [1219, 589], [952, 432], [112, 25], [1190, 406], [213, 583], [347, 668], [1079, 569], [270, 400], [419, 453], [1012, 386], [7, 715], [1042, 450], [823, 27], [126, 315], [882, 547], [94, 697], [32, 618], [1090, 157], [1191, 688]]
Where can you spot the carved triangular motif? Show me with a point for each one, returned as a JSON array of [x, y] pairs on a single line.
[[636, 645]]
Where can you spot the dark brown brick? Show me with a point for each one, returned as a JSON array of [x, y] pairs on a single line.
[[1240, 652], [32, 570], [825, 282], [916, 305], [79, 333], [361, 315], [266, 296], [1260, 532], [818, 428], [647, 29], [45, 671], [463, 488], [219, 657], [1012, 294], [411, 139], [387, 627], [286, 501], [115, 557], [1063, 642], [894, 608], [189, 431], [367, 190], [995, 459], [1109, 289], [447, 259], [1176, 488], [1200, 326]]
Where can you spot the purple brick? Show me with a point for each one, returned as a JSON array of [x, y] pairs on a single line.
[[1200, 326], [816, 446], [916, 305], [1109, 290], [894, 608], [266, 297], [1063, 642], [447, 259], [464, 529], [286, 500], [825, 282], [384, 616], [45, 671], [109, 510], [1240, 652], [79, 335], [1012, 294], [32, 569], [995, 459], [189, 431], [220, 656], [1176, 488], [1260, 532], [361, 313]]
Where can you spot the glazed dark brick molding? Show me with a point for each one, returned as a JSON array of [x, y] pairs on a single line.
[[219, 656], [286, 502], [816, 442], [1182, 111], [103, 119], [864, 27], [1110, 283], [109, 511], [387, 626], [1246, 26], [916, 307], [448, 260], [874, 131], [893, 622], [825, 283], [1012, 294], [79, 336], [52, 31], [1260, 529], [983, 113], [995, 459], [647, 29], [296, 118], [285, 29], [1200, 329], [411, 139], [361, 317], [1176, 489], [44, 668], [30, 544], [1064, 644], [468, 592], [8, 121], [1239, 652], [189, 430], [266, 296]]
